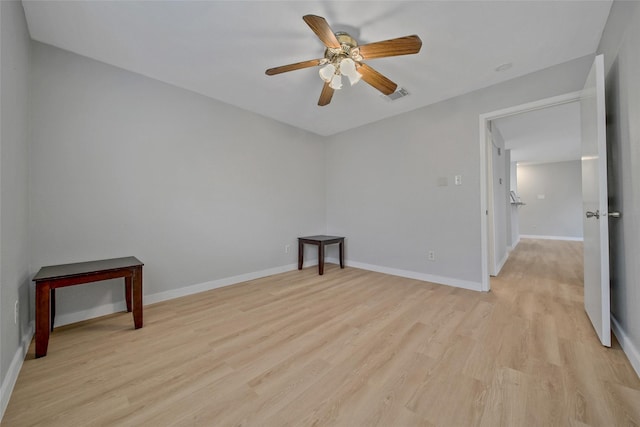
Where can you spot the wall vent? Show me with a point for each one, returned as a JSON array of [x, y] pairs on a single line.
[[400, 93]]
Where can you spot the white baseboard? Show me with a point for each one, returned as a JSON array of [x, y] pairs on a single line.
[[456, 283], [79, 316], [14, 369], [533, 236], [214, 284], [513, 246], [501, 263], [629, 348]]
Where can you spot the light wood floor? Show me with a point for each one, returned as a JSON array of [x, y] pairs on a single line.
[[350, 348]]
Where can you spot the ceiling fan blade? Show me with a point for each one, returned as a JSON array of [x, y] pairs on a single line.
[[325, 95], [324, 32], [377, 80], [292, 67], [401, 46]]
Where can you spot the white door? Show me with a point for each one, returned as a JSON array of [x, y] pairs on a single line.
[[594, 200]]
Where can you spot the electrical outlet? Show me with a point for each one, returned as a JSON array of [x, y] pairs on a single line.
[[15, 313], [431, 256], [286, 248], [457, 179]]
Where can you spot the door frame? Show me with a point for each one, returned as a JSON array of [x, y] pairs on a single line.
[[490, 220], [487, 237]]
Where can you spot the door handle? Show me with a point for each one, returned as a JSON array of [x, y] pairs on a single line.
[[614, 214], [595, 214]]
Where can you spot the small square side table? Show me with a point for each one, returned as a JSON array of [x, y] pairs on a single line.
[[320, 241]]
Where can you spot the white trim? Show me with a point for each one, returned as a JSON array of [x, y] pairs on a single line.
[[441, 280], [331, 260], [93, 312], [501, 263], [484, 242], [456, 283], [220, 283], [633, 354], [491, 219], [512, 247], [516, 243], [483, 120], [534, 105], [533, 236], [14, 369]]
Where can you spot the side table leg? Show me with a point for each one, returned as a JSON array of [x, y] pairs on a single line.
[[341, 248], [127, 292], [137, 298], [321, 258], [53, 308], [43, 294], [300, 254]]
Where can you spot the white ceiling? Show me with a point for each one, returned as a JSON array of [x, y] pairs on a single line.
[[222, 48], [543, 136]]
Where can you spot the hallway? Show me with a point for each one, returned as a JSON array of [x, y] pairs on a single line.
[[555, 354]]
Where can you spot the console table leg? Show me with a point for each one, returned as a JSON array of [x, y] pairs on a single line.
[[137, 298], [43, 294], [321, 259], [53, 308], [300, 254], [127, 292], [341, 248]]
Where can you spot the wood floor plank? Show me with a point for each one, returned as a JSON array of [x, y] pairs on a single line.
[[349, 348]]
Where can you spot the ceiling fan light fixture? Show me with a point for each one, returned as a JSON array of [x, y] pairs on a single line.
[[327, 72], [336, 82], [348, 68], [354, 78]]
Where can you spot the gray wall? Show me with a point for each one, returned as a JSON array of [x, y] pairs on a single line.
[[621, 47], [382, 179], [121, 164], [559, 214], [14, 274]]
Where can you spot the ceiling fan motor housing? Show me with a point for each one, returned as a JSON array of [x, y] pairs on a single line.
[[348, 48]]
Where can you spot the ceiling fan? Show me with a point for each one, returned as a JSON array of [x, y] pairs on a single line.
[[343, 57]]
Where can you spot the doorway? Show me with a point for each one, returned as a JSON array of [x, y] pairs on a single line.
[[493, 250]]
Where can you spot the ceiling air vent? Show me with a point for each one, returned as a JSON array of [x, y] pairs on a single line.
[[400, 93]]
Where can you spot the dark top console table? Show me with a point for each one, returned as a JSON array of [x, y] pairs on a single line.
[[58, 276]]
